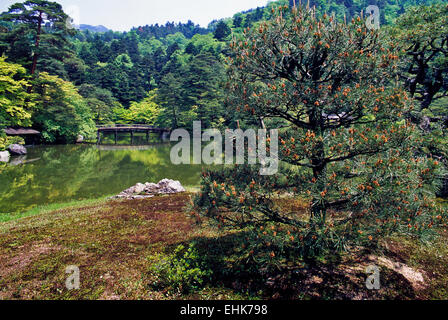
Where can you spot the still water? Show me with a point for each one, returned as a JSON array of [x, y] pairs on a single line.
[[57, 174]]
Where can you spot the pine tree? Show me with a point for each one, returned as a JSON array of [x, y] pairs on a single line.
[[348, 149], [44, 23], [222, 31]]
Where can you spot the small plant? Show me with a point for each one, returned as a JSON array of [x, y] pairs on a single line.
[[182, 271], [5, 142]]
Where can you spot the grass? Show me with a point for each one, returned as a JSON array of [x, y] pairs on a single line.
[[115, 244], [109, 241], [5, 217]]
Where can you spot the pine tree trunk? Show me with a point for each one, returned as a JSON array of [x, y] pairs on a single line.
[[318, 208]]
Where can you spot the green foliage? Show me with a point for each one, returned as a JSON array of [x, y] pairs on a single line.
[[101, 103], [146, 111], [61, 112], [222, 31], [5, 141], [191, 90], [181, 60], [15, 105], [39, 38], [361, 170], [422, 35], [182, 271]]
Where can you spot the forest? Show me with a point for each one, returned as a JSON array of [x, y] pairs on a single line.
[[165, 75], [361, 113]]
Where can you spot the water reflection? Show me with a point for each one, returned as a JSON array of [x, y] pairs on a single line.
[[54, 174]]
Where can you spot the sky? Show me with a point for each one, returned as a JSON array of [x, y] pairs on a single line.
[[122, 15]]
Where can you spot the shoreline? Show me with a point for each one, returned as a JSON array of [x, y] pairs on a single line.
[[73, 204]]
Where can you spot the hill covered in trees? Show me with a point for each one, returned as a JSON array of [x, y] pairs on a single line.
[[84, 27], [176, 70]]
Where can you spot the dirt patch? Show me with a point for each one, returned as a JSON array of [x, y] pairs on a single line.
[[23, 256]]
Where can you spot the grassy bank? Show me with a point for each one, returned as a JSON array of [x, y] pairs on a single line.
[[154, 249], [5, 217]]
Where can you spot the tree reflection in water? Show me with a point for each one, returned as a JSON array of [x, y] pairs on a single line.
[[57, 174]]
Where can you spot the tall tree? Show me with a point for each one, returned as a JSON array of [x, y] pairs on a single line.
[[100, 101], [61, 112], [424, 36], [347, 149], [41, 22], [202, 86], [222, 31]]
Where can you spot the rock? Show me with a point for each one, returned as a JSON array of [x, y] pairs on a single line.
[[4, 156], [139, 188], [414, 277], [170, 186], [148, 190], [17, 150], [80, 139]]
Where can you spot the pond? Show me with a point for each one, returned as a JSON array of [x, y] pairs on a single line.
[[58, 174]]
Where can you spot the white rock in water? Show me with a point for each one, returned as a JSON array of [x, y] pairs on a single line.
[[4, 156], [80, 139], [17, 149]]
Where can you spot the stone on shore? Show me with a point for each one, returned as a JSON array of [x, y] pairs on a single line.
[[149, 190], [80, 139], [17, 150], [169, 186], [4, 156]]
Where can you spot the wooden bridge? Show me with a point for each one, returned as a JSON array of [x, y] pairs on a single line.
[[132, 129]]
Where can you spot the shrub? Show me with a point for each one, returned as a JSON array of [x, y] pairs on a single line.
[[6, 141], [180, 272]]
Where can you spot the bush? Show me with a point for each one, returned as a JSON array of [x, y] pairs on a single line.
[[5, 142], [181, 271]]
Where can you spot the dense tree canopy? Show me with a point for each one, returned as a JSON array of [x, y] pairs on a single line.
[[222, 31], [424, 35], [184, 62], [61, 113], [146, 111], [15, 102], [38, 35]]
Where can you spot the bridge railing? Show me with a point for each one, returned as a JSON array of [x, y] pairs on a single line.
[[136, 126], [125, 126]]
